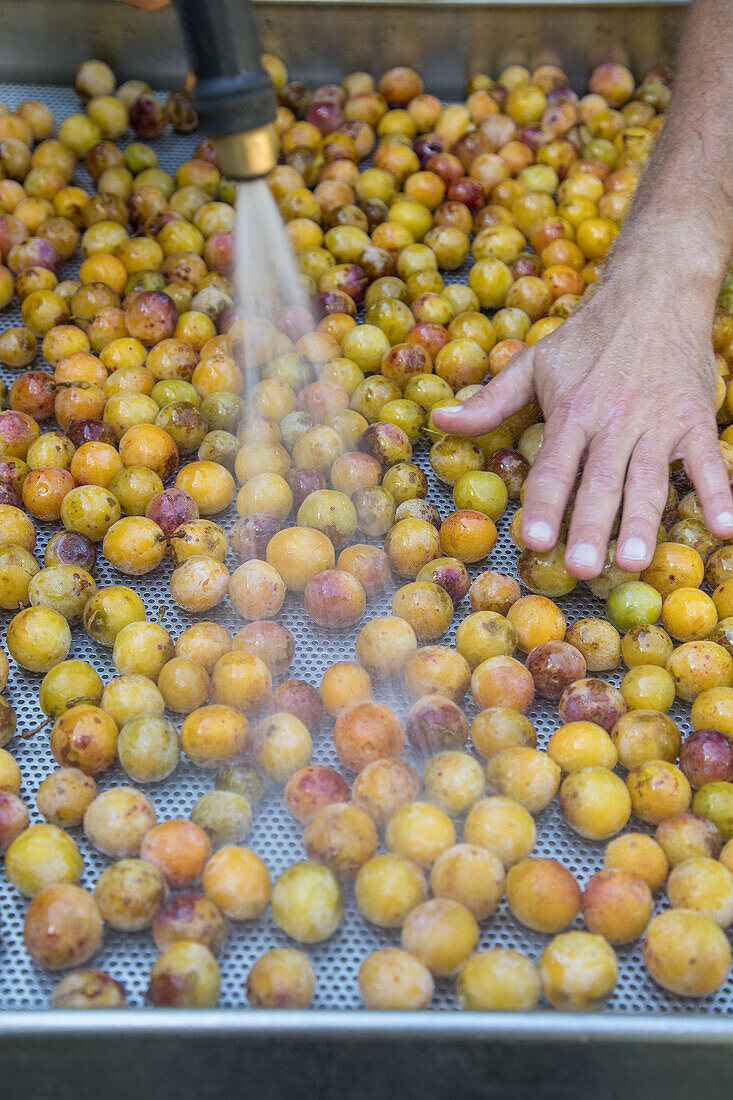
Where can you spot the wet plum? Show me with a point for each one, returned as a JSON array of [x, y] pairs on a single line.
[[304, 481], [554, 666], [300, 698], [171, 508], [435, 723], [250, 535], [592, 700], [312, 788], [707, 757]]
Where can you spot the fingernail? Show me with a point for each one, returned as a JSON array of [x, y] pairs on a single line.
[[538, 530], [725, 519], [634, 549], [584, 554], [449, 410]]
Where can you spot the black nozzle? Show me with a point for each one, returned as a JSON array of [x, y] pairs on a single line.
[[233, 93]]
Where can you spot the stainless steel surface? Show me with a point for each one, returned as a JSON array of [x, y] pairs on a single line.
[[638, 1010], [372, 1026], [449, 41], [44, 40], [275, 835]]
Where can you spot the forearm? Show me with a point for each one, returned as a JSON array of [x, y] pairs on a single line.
[[680, 226]]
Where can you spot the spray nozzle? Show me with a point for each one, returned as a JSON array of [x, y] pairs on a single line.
[[234, 97]]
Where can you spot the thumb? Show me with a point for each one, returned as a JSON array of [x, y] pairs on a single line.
[[510, 391]]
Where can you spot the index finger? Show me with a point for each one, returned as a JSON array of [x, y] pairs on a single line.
[[509, 391]]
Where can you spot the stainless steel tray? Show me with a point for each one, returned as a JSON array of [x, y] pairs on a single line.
[[638, 1010], [275, 835], [324, 39]]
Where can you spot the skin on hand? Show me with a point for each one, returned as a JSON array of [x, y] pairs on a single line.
[[628, 390], [627, 384]]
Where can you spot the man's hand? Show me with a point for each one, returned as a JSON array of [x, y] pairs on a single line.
[[629, 381], [629, 389]]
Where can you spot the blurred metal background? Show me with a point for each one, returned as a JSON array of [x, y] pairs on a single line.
[[320, 40]]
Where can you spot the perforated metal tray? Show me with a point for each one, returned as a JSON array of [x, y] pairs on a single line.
[[277, 838]]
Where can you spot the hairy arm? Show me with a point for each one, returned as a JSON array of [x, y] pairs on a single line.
[[628, 382]]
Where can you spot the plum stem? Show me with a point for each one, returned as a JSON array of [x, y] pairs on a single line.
[[27, 734]]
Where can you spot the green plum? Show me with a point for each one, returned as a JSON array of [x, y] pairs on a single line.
[[715, 802], [483, 492], [632, 604]]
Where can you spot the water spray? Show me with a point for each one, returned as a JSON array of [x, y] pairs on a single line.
[[236, 106]]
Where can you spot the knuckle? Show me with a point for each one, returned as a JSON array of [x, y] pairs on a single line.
[[591, 524], [481, 401], [714, 496], [543, 501], [552, 466], [606, 481], [642, 517], [646, 481], [493, 396], [571, 407], [548, 511], [621, 411], [592, 510], [595, 533], [710, 471], [697, 428]]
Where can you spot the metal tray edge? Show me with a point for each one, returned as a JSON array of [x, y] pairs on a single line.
[[365, 1026]]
